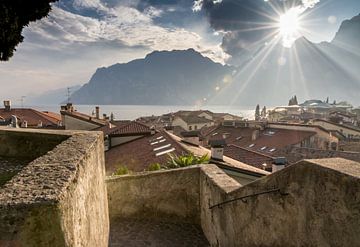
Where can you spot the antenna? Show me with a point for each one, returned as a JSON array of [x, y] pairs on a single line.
[[68, 94], [22, 101]]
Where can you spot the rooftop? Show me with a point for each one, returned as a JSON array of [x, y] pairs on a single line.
[[138, 154], [191, 119], [264, 141], [32, 116], [248, 156]]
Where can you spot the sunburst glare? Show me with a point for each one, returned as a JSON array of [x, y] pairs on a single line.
[[289, 26]]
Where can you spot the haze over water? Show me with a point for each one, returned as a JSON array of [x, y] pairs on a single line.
[[132, 112]]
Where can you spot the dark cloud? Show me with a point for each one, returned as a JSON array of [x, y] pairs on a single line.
[[247, 23]]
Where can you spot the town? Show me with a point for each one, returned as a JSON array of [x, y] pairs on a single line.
[[246, 151], [179, 123]]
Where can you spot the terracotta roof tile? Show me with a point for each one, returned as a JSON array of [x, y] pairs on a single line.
[[32, 116], [131, 128], [267, 142], [137, 155], [247, 156]]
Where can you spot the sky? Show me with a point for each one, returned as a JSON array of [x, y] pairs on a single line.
[[80, 36]]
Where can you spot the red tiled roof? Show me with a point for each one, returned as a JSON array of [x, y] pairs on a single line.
[[247, 156], [270, 138], [108, 128], [137, 155], [130, 129], [32, 116], [52, 115]]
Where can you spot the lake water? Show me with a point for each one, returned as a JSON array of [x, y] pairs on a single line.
[[131, 112]]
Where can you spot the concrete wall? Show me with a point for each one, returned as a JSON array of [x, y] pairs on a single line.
[[172, 194], [72, 123], [321, 208], [59, 199]]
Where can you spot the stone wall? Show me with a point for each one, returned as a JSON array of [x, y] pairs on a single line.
[[28, 144], [60, 198], [295, 154], [172, 194], [320, 207], [312, 203], [350, 146]]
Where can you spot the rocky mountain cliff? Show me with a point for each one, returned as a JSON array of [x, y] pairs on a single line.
[[162, 77], [309, 70]]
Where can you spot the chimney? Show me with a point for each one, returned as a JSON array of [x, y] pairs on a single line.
[[14, 121], [255, 135], [24, 124], [69, 107], [112, 117], [97, 112], [279, 164], [217, 149], [7, 105], [152, 130]]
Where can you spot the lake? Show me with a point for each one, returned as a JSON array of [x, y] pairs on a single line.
[[132, 112]]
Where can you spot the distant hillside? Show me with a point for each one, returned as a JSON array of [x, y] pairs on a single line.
[[309, 70], [162, 77], [51, 97]]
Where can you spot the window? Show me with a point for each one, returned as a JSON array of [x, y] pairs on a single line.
[[195, 127], [190, 127]]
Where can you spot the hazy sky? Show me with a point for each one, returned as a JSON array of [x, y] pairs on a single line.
[[79, 36]]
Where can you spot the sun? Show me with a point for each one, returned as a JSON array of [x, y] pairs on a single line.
[[289, 25]]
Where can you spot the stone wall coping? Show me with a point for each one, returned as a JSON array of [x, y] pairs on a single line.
[[140, 175], [341, 165], [44, 180]]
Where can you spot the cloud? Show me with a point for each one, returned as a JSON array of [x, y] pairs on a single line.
[[81, 35], [247, 23]]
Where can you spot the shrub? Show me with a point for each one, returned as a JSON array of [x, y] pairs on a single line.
[[186, 160], [121, 170], [154, 167]]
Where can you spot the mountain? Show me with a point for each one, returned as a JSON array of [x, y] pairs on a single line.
[[51, 97], [162, 77], [270, 77], [309, 70]]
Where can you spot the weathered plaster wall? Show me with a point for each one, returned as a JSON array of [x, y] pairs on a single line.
[[321, 208], [165, 194], [72, 123], [60, 198]]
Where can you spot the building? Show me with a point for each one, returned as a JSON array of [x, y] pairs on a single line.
[[192, 122], [29, 118], [350, 132], [74, 120]]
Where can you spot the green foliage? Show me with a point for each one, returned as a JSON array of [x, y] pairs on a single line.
[[263, 112], [186, 160], [293, 101], [154, 167], [257, 112], [14, 15], [121, 170]]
